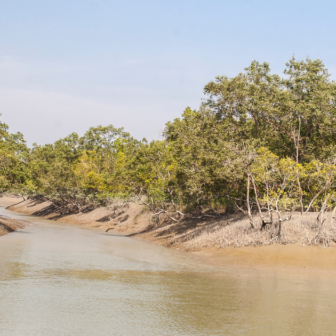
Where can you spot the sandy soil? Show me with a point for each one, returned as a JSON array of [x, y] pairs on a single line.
[[8, 225], [136, 224], [10, 200], [129, 222]]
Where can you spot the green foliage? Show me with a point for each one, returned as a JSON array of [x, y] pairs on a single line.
[[13, 160], [279, 130], [280, 112], [209, 164]]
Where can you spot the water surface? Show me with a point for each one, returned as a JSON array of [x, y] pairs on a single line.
[[60, 280]]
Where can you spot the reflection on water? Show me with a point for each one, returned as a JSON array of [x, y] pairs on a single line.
[[61, 280]]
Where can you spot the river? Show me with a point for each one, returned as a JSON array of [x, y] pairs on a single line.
[[60, 280]]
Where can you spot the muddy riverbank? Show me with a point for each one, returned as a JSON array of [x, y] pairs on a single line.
[[136, 224], [8, 225], [103, 219]]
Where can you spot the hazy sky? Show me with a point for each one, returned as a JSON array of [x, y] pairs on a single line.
[[68, 65]]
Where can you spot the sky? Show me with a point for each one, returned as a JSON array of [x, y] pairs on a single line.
[[67, 65]]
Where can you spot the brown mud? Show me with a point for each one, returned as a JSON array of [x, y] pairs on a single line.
[[136, 223], [8, 225], [129, 222]]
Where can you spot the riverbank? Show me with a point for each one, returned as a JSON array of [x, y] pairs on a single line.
[[129, 221], [8, 225], [136, 223]]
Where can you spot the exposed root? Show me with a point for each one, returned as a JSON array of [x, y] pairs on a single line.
[[237, 232]]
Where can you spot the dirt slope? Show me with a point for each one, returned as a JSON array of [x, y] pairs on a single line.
[[132, 221], [8, 225]]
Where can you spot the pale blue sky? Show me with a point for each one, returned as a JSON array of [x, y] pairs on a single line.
[[68, 65]]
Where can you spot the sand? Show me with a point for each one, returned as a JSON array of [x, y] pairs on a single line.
[[130, 222]]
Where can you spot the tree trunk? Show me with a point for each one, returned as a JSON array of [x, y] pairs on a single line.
[[280, 227], [263, 222], [248, 200]]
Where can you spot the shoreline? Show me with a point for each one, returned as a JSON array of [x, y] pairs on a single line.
[[273, 257], [9, 225]]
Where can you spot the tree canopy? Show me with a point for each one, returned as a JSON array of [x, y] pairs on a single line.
[[256, 136]]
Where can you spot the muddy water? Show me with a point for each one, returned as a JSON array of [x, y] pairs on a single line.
[[60, 280]]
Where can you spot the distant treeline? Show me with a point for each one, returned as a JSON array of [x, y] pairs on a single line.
[[257, 142]]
